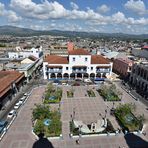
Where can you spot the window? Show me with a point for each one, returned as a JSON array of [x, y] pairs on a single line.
[[85, 59], [74, 59], [91, 68], [66, 68]]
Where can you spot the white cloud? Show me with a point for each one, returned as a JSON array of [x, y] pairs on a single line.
[[103, 8], [44, 10], [74, 6], [136, 6], [2, 7], [9, 14]]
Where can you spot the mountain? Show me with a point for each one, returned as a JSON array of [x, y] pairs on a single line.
[[17, 31]]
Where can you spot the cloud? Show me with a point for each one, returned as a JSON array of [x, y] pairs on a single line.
[[74, 6], [2, 8], [9, 14], [136, 6], [44, 10], [103, 9]]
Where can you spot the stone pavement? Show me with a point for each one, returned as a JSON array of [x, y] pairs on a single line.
[[19, 134], [86, 109]]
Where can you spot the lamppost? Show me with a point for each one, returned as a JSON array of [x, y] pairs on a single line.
[[80, 126]]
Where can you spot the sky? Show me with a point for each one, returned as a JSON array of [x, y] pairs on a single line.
[[105, 16]]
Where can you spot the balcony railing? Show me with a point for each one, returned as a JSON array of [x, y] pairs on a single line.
[[79, 70], [102, 70], [55, 70]]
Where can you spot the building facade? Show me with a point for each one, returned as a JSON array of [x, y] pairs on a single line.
[[139, 78], [11, 82], [78, 64], [122, 66], [24, 53]]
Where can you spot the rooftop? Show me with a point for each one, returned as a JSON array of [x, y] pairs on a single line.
[[78, 52], [98, 59], [7, 78], [53, 59]]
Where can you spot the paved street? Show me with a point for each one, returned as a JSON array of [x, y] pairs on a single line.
[[86, 109]]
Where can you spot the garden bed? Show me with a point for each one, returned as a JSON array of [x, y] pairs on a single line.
[[110, 93], [52, 94], [52, 128], [91, 93], [127, 120]]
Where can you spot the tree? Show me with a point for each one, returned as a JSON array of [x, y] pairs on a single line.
[[40, 112]]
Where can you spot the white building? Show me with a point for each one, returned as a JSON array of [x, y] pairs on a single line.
[[23, 53], [78, 64]]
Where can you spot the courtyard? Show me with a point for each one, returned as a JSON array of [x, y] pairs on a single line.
[[81, 107]]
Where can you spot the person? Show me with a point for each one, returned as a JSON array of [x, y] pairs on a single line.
[[77, 141]]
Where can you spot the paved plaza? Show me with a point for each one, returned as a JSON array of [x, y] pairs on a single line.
[[82, 107]]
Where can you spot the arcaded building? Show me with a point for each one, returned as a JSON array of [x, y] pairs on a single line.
[[139, 78]]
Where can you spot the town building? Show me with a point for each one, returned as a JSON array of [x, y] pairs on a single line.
[[30, 66], [23, 53], [122, 66], [139, 78], [11, 82], [78, 64]]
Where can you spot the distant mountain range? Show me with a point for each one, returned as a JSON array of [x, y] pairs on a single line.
[[17, 31]]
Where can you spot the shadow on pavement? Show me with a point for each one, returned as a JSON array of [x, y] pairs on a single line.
[[135, 141], [42, 142]]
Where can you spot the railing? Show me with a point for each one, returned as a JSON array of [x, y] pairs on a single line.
[[102, 70], [55, 70], [79, 71]]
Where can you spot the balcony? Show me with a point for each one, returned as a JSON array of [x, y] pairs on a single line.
[[54, 70], [102, 70], [79, 71]]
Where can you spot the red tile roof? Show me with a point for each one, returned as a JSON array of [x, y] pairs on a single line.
[[79, 52], [98, 59], [32, 58], [53, 59], [6, 79]]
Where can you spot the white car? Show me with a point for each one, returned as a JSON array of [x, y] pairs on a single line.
[[23, 98], [17, 105], [11, 114]]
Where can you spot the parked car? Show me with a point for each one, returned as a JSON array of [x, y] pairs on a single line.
[[23, 98], [3, 125], [26, 94], [11, 114], [17, 105]]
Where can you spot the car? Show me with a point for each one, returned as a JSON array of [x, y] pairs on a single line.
[[11, 114], [26, 94], [21, 102], [23, 98], [17, 105], [3, 125]]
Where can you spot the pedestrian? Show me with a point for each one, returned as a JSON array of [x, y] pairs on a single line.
[[77, 141]]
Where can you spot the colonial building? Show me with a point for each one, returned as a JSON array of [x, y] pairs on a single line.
[[122, 66], [139, 78], [78, 64], [10, 83], [23, 53]]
